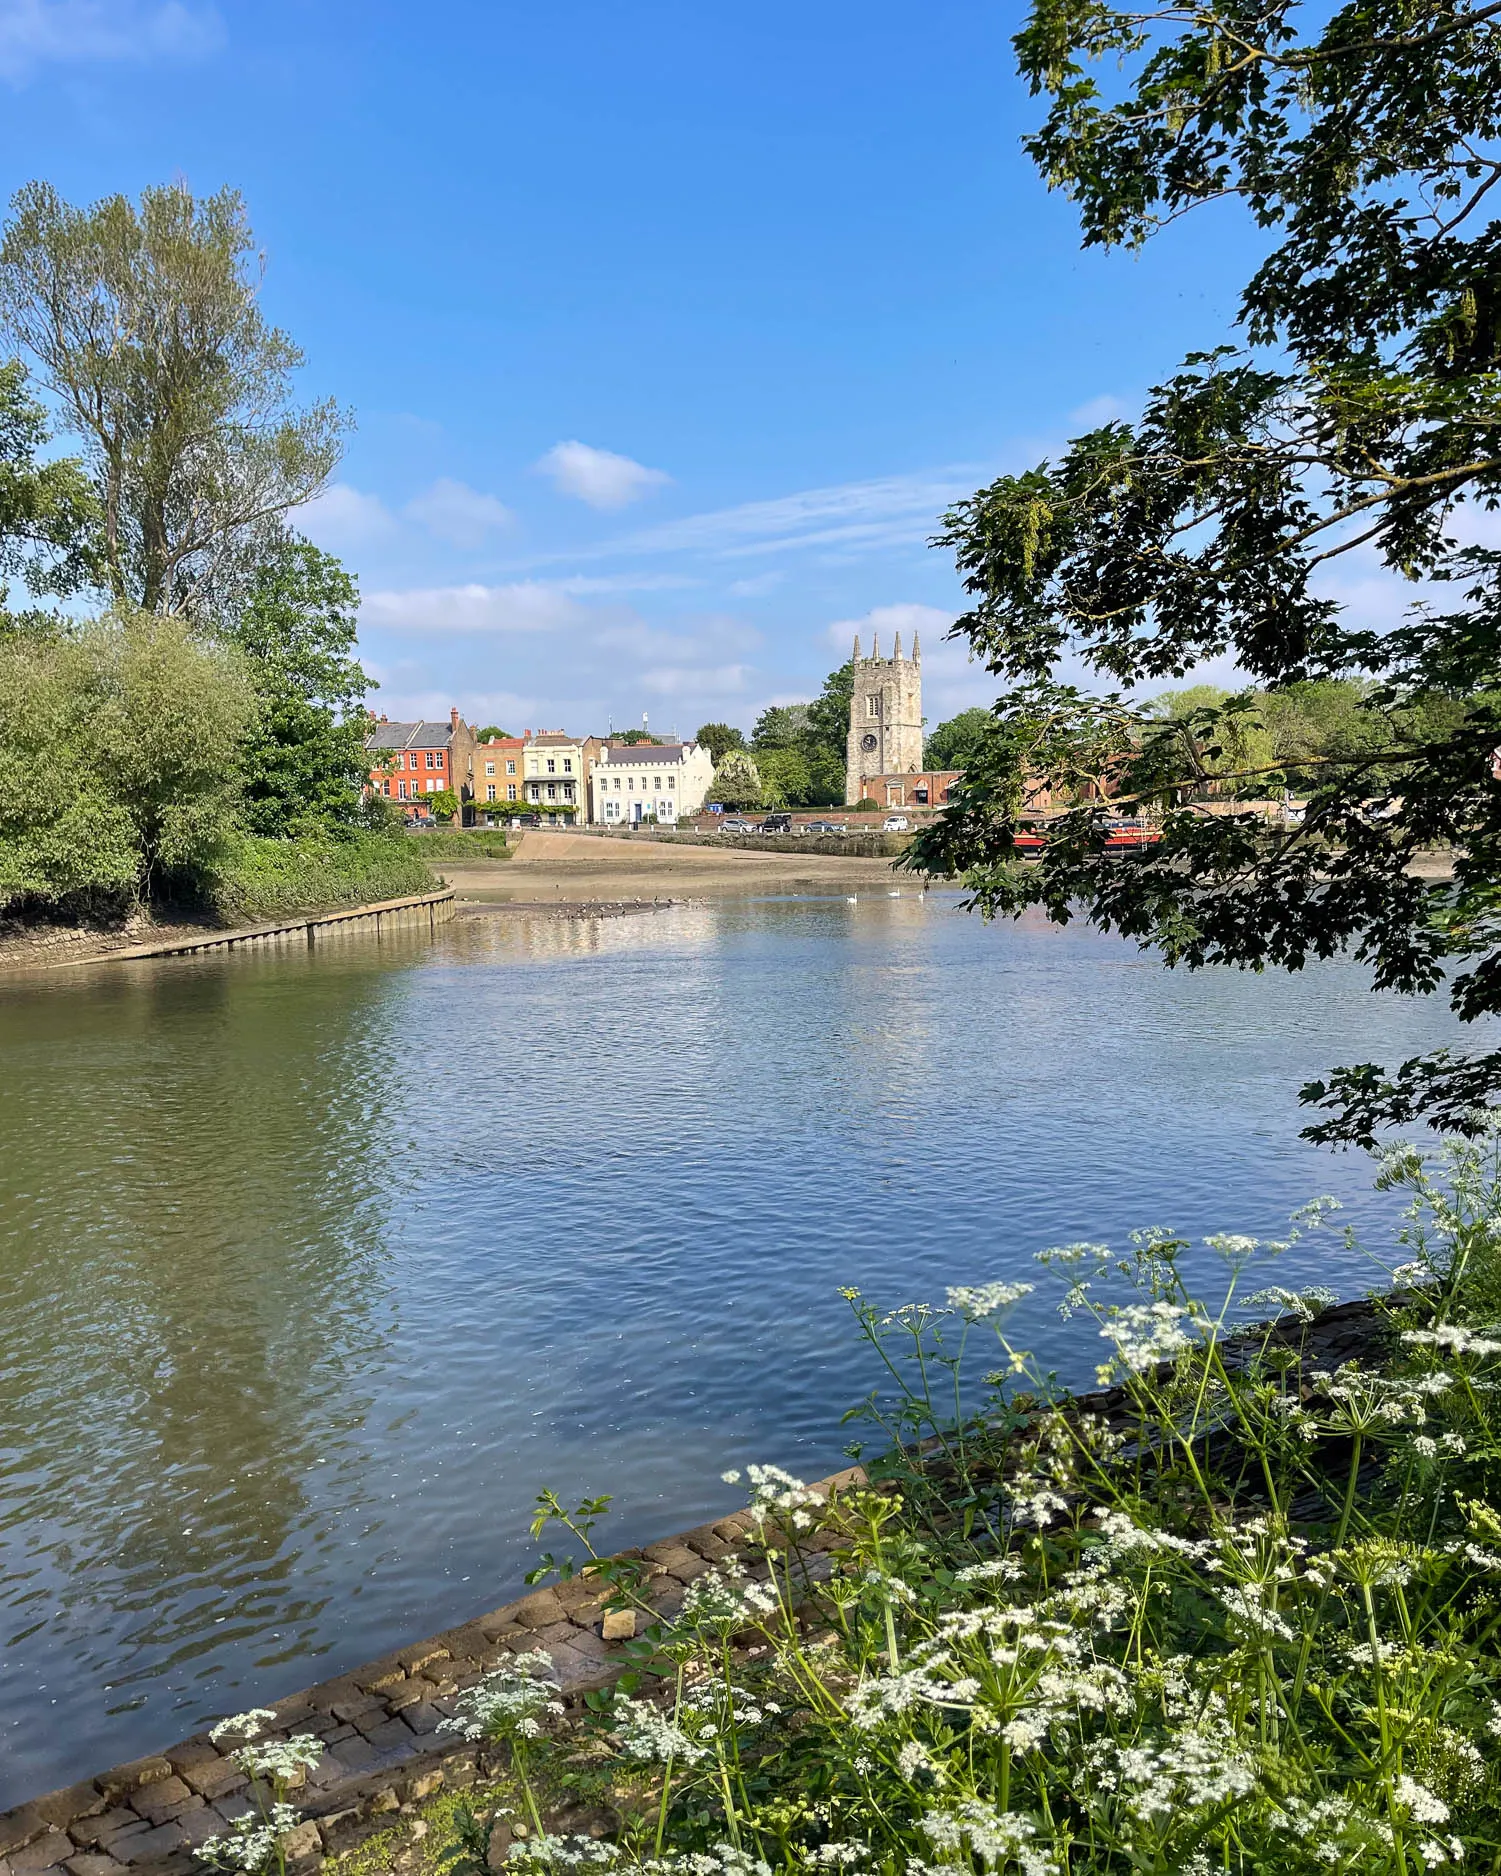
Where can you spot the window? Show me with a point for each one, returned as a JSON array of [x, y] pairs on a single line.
[[401, 789], [432, 760], [672, 781], [490, 770], [552, 767], [552, 791], [872, 706], [511, 770], [489, 791], [920, 796], [617, 784], [510, 791], [385, 788], [568, 765], [656, 782], [568, 791]]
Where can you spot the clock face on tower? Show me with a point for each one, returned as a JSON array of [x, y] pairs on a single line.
[[867, 742]]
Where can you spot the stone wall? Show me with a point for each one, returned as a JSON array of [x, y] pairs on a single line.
[[383, 1752], [425, 910]]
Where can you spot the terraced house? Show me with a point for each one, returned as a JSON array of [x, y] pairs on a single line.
[[409, 761], [553, 776]]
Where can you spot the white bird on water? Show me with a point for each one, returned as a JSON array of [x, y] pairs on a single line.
[[852, 900], [895, 893]]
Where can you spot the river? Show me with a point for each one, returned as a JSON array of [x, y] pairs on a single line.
[[315, 1268]]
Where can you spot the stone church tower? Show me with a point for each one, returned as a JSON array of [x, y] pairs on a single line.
[[885, 717]]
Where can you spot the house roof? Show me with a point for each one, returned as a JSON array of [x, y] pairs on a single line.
[[553, 739], [641, 755], [410, 736]]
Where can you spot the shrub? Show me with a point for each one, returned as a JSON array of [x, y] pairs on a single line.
[[461, 844], [267, 879]]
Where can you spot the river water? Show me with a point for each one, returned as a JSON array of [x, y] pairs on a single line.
[[315, 1268]]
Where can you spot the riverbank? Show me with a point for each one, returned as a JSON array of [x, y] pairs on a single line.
[[582, 867]]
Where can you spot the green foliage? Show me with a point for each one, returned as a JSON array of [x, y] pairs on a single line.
[[454, 843], [953, 744], [1366, 410], [444, 803], [145, 329], [800, 748], [47, 509], [737, 781], [492, 731], [781, 726], [786, 776], [635, 736], [117, 759], [303, 756], [1238, 1616], [255, 879], [719, 739], [865, 805]]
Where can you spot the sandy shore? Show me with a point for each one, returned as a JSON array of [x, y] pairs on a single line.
[[567, 867]]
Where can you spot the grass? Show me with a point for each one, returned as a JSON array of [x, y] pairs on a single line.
[[268, 879], [452, 843]]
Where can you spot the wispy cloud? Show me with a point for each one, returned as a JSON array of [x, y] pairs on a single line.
[[343, 517], [598, 476], [893, 510], [34, 33], [522, 607], [456, 513]]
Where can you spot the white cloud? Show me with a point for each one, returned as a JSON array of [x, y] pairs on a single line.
[[726, 680], [343, 517], [459, 514], [885, 622], [1099, 410], [525, 606], [76, 32], [505, 709], [598, 476]]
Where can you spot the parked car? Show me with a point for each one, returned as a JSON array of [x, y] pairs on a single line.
[[897, 824], [732, 826], [825, 827], [776, 824]]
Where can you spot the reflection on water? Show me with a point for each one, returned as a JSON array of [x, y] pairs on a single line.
[[315, 1268]]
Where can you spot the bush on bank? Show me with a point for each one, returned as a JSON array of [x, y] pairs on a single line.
[[256, 879], [462, 844], [1248, 1622]]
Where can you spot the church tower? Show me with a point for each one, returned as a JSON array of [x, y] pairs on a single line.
[[885, 717]]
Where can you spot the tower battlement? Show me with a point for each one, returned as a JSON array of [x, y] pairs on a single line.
[[885, 735]]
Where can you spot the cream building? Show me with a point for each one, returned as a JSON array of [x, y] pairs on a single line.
[[552, 780], [634, 782]]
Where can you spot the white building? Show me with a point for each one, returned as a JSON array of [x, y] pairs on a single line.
[[553, 776], [633, 782]]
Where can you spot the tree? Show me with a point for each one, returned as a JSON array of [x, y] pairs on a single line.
[[829, 715], [1362, 410], [781, 726], [492, 733], [953, 744], [118, 770], [786, 778], [303, 754], [719, 739], [444, 803], [47, 509], [635, 736], [144, 326], [737, 781]]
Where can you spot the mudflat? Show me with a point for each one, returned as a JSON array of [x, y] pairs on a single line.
[[564, 867]]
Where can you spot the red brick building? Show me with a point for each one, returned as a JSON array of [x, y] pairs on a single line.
[[409, 761], [930, 790]]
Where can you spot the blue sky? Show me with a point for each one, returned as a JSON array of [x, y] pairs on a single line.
[[669, 329]]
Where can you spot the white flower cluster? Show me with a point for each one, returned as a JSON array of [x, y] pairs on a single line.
[[1146, 1333], [1188, 1770], [726, 1599], [993, 1836], [1454, 1340], [276, 1759], [645, 1733], [985, 1300], [251, 1841], [510, 1703], [778, 1498]]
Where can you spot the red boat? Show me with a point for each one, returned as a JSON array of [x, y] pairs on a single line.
[[1120, 836]]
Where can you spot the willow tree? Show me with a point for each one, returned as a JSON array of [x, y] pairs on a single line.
[[1358, 407], [144, 328]]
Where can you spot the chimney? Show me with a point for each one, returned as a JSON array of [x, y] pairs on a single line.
[[453, 717]]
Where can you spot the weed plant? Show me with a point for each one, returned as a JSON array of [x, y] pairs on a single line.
[[1237, 1614]]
